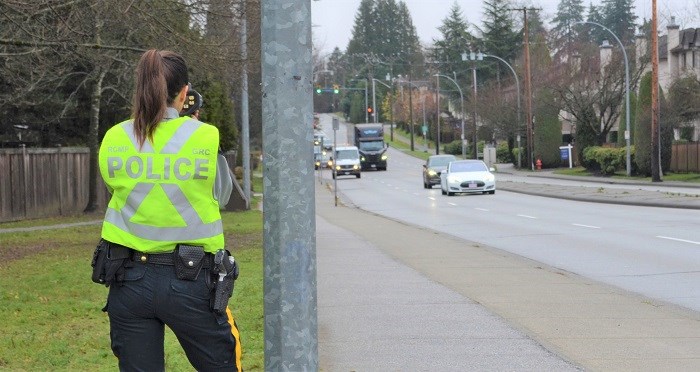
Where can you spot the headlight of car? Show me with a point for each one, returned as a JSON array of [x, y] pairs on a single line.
[[452, 179], [384, 157], [432, 173], [337, 167], [362, 158], [355, 166], [489, 178]]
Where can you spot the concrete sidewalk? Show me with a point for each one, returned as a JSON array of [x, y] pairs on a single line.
[[397, 297]]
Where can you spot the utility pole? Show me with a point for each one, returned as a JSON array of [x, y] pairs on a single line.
[[437, 100], [366, 112], [410, 109], [289, 239], [528, 88], [475, 138], [374, 101], [655, 148], [245, 122]]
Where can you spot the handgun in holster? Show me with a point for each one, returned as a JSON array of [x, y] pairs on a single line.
[[226, 272]]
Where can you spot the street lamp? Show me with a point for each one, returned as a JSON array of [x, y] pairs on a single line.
[[473, 56], [461, 102], [480, 56], [627, 95]]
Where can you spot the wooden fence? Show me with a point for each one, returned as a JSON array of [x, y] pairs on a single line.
[[686, 158], [45, 182], [36, 182]]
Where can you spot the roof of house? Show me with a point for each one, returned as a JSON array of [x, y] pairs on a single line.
[[688, 39]]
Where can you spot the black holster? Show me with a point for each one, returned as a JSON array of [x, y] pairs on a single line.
[[224, 274], [108, 262]]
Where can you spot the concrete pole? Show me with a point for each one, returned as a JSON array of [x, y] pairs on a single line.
[[245, 125], [290, 300]]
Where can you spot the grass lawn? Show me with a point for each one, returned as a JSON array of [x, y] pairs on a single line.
[[51, 310], [681, 177], [398, 143]]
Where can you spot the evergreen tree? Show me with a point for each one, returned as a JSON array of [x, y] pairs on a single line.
[[596, 33], [455, 40], [618, 16], [357, 108], [565, 30], [642, 134], [499, 36], [383, 34], [362, 30], [547, 133]]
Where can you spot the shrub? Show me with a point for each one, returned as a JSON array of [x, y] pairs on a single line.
[[454, 148], [604, 160], [502, 153]]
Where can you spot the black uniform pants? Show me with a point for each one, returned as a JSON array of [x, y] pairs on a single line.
[[152, 297]]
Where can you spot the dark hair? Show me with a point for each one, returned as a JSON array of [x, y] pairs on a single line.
[[160, 75]]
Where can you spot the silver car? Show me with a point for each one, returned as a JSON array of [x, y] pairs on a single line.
[[432, 168], [467, 176]]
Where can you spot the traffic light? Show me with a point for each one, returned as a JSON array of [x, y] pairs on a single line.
[[319, 90], [370, 110], [336, 89]]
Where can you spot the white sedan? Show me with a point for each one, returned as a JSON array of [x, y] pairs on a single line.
[[468, 176]]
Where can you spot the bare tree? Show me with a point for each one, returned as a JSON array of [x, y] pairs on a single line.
[[73, 60], [592, 94]]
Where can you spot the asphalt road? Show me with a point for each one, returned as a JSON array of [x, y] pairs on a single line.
[[650, 251]]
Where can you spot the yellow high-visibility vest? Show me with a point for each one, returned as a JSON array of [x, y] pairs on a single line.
[[162, 193]]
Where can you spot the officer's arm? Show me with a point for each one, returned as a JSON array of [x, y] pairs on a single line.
[[223, 184]]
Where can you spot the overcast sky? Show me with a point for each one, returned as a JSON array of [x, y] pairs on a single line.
[[333, 19]]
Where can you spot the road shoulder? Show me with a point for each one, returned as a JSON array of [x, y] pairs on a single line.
[[591, 324]]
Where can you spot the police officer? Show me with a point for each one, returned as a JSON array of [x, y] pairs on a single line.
[[167, 183]]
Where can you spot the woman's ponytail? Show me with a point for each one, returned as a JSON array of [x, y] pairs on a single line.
[[160, 75], [150, 98]]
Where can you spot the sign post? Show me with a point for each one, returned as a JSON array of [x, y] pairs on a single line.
[[336, 126], [565, 154]]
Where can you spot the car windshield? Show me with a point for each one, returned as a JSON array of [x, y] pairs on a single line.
[[346, 154], [371, 145], [467, 167], [441, 161]]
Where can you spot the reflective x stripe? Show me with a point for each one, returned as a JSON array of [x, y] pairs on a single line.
[[195, 229], [182, 134]]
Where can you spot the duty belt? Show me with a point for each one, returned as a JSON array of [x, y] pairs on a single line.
[[167, 259]]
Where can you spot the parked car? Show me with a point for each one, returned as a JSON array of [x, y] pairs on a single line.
[[433, 167], [467, 176], [346, 161]]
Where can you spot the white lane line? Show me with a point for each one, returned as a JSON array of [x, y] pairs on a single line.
[[588, 226], [415, 193], [453, 204], [482, 209], [526, 216], [678, 240], [431, 198]]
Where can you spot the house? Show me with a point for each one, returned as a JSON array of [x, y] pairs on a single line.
[[679, 55]]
